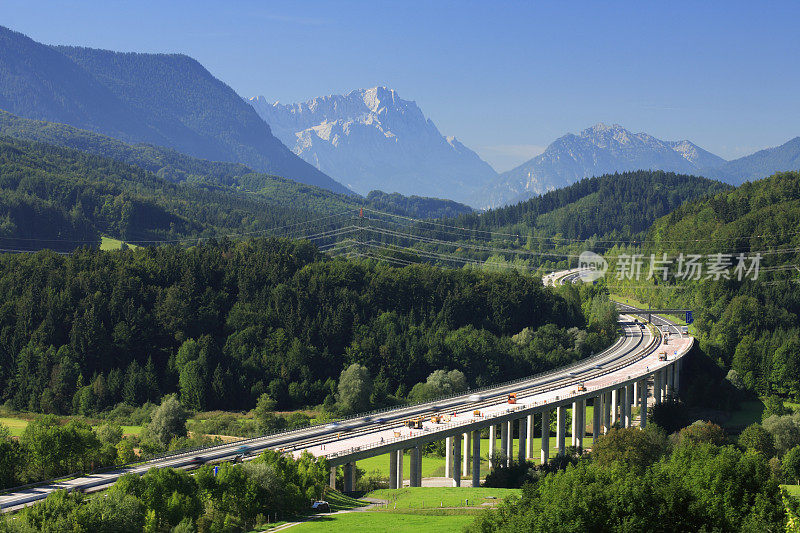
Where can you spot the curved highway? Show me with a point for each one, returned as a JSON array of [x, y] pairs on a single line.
[[631, 357]]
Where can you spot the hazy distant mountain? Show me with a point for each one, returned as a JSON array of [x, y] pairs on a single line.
[[373, 139], [760, 164], [167, 100], [598, 150]]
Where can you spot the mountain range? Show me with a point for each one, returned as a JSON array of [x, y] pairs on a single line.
[[603, 149], [373, 139], [168, 100]]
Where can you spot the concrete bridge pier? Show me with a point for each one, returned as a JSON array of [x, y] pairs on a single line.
[[636, 394], [545, 444], [448, 456], [522, 452], [465, 456], [492, 444], [614, 405], [529, 440], [393, 469], [670, 381], [509, 450], [349, 475], [561, 415], [457, 461], [578, 422], [656, 387], [629, 400], [332, 479], [416, 467], [676, 378], [606, 400], [476, 458], [643, 403], [597, 409]]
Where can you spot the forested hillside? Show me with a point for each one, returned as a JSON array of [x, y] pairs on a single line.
[[223, 323], [751, 327], [165, 99], [59, 198], [613, 205]]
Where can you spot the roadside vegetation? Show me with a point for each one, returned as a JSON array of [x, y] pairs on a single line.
[[230, 497]]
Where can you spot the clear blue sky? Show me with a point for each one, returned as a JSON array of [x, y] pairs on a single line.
[[506, 78]]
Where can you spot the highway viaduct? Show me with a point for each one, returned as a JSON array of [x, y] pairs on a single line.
[[637, 367]]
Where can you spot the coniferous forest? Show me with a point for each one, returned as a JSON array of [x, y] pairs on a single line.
[[225, 322]]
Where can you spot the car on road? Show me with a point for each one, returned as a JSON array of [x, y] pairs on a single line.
[[475, 398], [197, 461], [241, 453]]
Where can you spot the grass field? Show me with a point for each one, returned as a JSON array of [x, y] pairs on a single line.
[[16, 425], [107, 243], [793, 490], [373, 522], [437, 497]]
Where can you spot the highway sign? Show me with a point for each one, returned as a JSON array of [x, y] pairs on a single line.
[[689, 318]]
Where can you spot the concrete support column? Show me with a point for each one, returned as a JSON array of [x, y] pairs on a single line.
[[419, 466], [606, 411], [614, 405], [457, 461], [448, 456], [510, 443], [628, 405], [636, 394], [670, 381], [580, 424], [643, 403], [529, 440], [348, 476], [574, 429], [492, 444], [677, 377], [412, 468], [332, 479], [465, 456], [561, 415], [400, 456], [657, 387], [393, 469], [597, 409], [476, 458], [545, 444], [503, 437], [523, 434]]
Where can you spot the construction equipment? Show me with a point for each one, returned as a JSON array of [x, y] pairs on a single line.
[[512, 398], [581, 387], [436, 419], [414, 423], [662, 356], [476, 413]]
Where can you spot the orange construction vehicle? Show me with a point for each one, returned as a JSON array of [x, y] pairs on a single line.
[[581, 387], [512, 398], [662, 356]]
